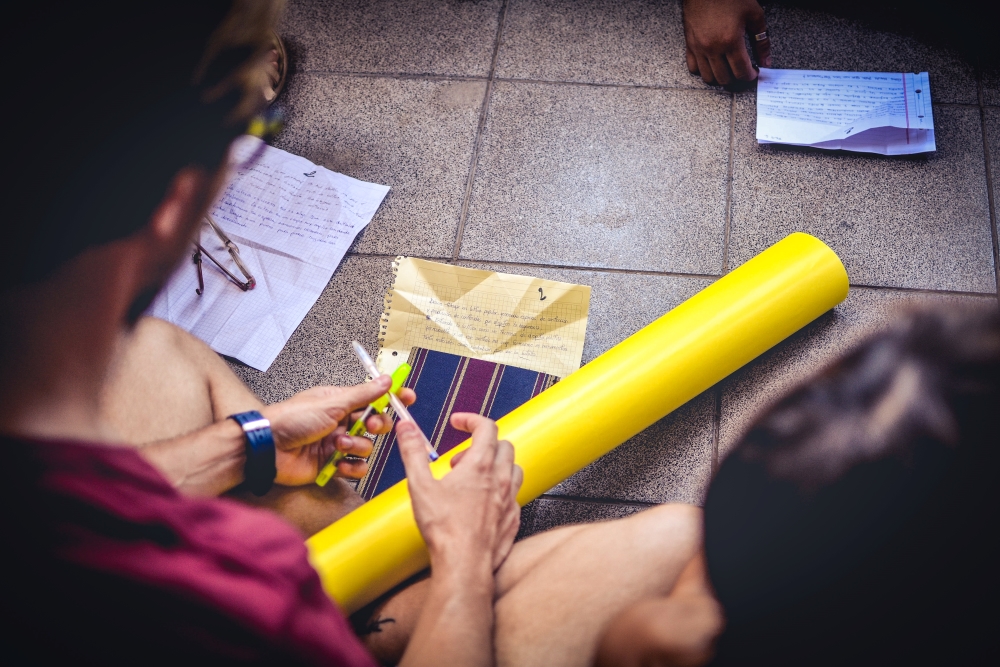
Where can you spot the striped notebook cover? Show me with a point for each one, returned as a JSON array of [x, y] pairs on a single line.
[[447, 383]]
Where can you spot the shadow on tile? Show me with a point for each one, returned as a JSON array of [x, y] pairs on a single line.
[[804, 39], [415, 136], [749, 391], [596, 41], [447, 37], [902, 222], [591, 176]]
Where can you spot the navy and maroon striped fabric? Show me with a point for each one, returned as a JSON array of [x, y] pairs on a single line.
[[447, 383]]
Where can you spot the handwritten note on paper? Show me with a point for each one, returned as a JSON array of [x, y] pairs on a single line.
[[515, 320], [293, 222], [879, 112]]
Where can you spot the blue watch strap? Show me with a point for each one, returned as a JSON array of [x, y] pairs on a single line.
[[259, 471]]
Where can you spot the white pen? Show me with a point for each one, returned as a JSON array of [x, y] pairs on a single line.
[[397, 405]]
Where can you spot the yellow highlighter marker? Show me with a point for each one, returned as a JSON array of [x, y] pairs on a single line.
[[378, 405]]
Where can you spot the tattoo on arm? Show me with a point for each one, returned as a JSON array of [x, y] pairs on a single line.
[[374, 625]]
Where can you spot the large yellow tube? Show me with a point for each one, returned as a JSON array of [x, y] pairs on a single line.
[[603, 404]]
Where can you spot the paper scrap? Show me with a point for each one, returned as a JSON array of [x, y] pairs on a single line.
[[874, 112], [293, 222], [515, 320]]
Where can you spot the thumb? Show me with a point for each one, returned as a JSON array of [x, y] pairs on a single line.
[[757, 27], [361, 395], [411, 449]]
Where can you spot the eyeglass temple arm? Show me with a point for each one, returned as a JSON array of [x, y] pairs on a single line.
[[242, 285], [234, 252]]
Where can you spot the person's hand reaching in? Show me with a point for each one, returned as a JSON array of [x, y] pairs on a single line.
[[714, 32], [311, 425], [468, 519]]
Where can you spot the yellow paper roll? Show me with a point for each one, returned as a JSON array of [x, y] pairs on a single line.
[[600, 406]]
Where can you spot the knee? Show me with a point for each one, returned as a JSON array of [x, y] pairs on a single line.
[[680, 520]]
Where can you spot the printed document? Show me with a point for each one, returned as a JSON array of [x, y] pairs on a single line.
[[873, 112], [293, 222], [515, 320]]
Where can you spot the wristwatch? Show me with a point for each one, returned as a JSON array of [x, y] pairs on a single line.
[[260, 470]]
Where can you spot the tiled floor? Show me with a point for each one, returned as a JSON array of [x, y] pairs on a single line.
[[565, 139]]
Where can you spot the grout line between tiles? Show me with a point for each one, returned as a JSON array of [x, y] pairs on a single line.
[[570, 267], [729, 186], [989, 183], [650, 272], [716, 428], [480, 131], [428, 76], [598, 501], [394, 75], [593, 84], [921, 290]]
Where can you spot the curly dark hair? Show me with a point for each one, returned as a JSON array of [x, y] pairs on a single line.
[[854, 524]]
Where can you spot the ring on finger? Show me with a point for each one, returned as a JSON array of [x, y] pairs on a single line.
[[760, 36]]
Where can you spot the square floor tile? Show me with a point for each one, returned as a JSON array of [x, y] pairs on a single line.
[[415, 136], [804, 39], [319, 351], [671, 461], [895, 221], [595, 41], [751, 390], [550, 513], [593, 176], [448, 37]]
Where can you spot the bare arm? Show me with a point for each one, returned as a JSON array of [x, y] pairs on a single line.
[[469, 519], [307, 429]]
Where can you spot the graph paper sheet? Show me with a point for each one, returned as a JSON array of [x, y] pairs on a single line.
[[515, 320], [293, 222]]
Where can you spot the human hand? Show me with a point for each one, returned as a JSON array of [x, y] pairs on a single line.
[[311, 425], [470, 517], [714, 30]]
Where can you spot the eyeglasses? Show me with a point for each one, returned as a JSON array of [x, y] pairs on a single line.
[[263, 126], [234, 252]]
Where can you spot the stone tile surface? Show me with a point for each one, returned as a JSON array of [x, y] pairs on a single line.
[[550, 513], [594, 176], [804, 39], [451, 37], [751, 390], [920, 221], [413, 135], [319, 351], [595, 41]]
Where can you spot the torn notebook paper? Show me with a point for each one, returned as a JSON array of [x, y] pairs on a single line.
[[500, 317], [293, 222], [871, 112]]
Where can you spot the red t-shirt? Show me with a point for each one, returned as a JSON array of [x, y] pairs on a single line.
[[107, 563]]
